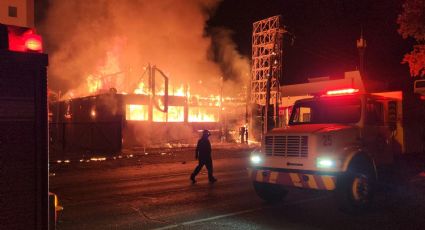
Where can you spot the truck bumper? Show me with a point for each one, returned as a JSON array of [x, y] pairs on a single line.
[[294, 178]]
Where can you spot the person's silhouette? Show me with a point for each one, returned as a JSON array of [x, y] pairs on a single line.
[[203, 154]]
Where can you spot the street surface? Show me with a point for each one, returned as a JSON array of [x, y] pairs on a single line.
[[153, 191]]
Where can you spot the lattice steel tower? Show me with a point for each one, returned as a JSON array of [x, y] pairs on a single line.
[[267, 37]]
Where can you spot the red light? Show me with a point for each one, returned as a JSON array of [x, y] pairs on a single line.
[[422, 97], [33, 43], [341, 91], [24, 40]]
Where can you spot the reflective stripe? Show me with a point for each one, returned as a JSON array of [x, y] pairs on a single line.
[[329, 182], [319, 181], [312, 182], [259, 176], [273, 177], [296, 179], [323, 182]]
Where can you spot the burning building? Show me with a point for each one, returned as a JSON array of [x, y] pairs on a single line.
[[151, 116], [108, 97]]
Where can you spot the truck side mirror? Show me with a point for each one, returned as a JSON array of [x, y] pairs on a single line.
[[392, 114]]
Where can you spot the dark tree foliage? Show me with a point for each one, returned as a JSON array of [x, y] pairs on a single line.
[[412, 24]]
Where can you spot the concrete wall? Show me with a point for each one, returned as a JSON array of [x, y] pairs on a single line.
[[17, 12]]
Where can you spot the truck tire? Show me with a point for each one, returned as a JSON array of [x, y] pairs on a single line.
[[355, 189], [269, 192]]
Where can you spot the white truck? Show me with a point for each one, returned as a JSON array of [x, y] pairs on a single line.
[[336, 141]]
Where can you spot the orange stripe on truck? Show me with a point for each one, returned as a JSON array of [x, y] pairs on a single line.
[[296, 180], [329, 182], [312, 182]]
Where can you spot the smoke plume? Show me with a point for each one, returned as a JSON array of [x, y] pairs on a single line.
[[234, 66], [86, 39]]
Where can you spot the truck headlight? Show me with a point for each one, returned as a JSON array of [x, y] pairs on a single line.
[[256, 159], [325, 162]]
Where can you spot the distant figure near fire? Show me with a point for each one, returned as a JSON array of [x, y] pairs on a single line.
[[203, 154]]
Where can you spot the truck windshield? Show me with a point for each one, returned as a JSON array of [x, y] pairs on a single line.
[[326, 110]]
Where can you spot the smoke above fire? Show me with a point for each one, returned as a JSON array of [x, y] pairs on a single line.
[[115, 40]]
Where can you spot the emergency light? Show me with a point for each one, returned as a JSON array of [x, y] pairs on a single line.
[[341, 91], [21, 39]]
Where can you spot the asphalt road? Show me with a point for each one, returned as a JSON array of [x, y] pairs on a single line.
[[153, 191]]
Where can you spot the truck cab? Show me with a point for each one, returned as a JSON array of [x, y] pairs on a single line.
[[334, 141]]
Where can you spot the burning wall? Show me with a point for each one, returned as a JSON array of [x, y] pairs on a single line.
[[108, 122]]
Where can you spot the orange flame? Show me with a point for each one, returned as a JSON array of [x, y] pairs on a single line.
[[201, 108], [174, 114], [106, 76], [203, 114], [137, 112]]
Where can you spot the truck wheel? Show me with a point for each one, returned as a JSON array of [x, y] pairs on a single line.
[[269, 192], [356, 188]]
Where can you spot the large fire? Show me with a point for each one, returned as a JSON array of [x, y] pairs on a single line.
[[100, 65], [199, 108], [106, 76], [203, 114], [137, 112]]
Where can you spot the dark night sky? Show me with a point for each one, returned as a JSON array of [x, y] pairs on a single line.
[[326, 33]]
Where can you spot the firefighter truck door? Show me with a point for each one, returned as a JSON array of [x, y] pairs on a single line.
[[377, 134]]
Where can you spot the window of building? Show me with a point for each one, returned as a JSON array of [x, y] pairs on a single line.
[[13, 11]]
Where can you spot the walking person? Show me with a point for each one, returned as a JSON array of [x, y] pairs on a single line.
[[203, 155]]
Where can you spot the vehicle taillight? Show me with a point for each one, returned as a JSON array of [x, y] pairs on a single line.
[[341, 91]]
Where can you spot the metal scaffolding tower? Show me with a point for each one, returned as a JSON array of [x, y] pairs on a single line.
[[267, 37]]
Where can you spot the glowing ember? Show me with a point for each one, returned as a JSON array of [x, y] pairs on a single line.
[[93, 113]]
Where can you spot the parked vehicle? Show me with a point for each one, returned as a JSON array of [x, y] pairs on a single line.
[[338, 141]]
